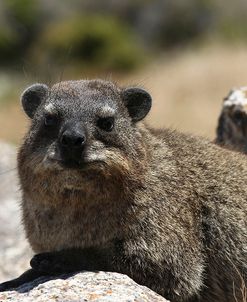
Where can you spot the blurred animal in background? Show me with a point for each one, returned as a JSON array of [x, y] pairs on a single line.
[[232, 124]]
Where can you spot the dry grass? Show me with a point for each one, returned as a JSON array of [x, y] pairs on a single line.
[[187, 90], [13, 123]]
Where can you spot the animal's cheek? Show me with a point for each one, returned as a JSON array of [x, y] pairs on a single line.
[[94, 151]]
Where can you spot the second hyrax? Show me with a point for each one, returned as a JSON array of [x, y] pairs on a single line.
[[102, 191], [232, 124]]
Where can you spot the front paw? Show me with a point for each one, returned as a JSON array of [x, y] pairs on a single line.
[[9, 285], [47, 263]]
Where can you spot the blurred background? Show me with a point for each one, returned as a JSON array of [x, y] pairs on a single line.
[[187, 53]]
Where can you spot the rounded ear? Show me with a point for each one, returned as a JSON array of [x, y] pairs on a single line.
[[138, 102], [32, 97]]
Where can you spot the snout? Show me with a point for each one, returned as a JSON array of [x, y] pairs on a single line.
[[72, 143]]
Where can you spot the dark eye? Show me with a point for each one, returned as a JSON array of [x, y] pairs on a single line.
[[50, 120], [106, 123]]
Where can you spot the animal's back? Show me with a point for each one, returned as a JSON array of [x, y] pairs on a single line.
[[215, 179]]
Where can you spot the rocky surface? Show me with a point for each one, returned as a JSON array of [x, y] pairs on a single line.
[[15, 255], [85, 286], [14, 250]]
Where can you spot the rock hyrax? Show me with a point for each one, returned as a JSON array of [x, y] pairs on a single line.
[[232, 124], [102, 191]]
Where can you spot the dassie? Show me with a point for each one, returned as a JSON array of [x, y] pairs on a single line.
[[102, 191], [232, 124]]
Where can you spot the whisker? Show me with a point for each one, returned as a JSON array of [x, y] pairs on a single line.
[[7, 171]]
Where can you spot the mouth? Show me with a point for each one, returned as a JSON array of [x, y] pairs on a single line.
[[57, 161], [65, 164]]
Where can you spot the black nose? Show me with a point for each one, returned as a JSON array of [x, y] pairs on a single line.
[[73, 139], [72, 142]]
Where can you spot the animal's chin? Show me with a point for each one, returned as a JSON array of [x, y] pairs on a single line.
[[71, 176], [72, 165]]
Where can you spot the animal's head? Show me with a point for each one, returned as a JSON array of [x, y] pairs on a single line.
[[82, 126], [232, 125]]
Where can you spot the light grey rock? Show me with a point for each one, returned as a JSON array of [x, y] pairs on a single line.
[[14, 249], [81, 287]]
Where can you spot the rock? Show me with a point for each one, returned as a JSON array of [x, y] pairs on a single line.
[[14, 249], [85, 286]]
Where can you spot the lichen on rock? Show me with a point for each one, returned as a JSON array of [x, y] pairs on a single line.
[[84, 286]]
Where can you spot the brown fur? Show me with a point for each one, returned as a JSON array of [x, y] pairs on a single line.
[[170, 208]]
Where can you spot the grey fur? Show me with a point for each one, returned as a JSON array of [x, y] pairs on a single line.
[[166, 208]]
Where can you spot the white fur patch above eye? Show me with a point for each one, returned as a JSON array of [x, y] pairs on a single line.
[[106, 111], [49, 108], [237, 97]]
